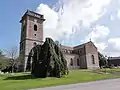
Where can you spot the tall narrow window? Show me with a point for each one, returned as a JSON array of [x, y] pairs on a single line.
[[78, 62], [71, 62], [35, 27], [93, 59]]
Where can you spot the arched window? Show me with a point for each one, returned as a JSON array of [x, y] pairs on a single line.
[[78, 62], [71, 62], [35, 27], [93, 59]]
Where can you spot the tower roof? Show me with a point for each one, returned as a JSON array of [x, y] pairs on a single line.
[[33, 14]]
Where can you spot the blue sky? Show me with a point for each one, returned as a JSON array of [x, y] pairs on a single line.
[[71, 22], [10, 15]]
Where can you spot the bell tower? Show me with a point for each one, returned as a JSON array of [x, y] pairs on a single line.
[[31, 34]]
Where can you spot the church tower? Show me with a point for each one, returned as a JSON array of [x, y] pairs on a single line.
[[31, 34]]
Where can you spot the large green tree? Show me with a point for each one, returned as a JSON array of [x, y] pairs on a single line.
[[47, 60], [102, 60]]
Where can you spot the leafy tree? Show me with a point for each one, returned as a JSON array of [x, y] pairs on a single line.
[[4, 61], [102, 60], [12, 55], [47, 60]]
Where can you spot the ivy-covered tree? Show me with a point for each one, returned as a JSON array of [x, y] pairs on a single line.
[[47, 60]]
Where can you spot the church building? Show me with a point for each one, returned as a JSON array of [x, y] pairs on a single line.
[[83, 56]]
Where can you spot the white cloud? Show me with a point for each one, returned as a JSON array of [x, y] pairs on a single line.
[[50, 16], [110, 47], [118, 14], [50, 23], [115, 43], [70, 16], [111, 17], [68, 19], [101, 46], [99, 32]]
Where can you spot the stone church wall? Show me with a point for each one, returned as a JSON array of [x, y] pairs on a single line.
[[74, 58]]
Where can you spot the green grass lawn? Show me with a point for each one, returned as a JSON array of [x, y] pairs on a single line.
[[20, 81], [111, 70]]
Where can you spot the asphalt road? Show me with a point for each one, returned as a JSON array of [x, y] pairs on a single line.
[[113, 84]]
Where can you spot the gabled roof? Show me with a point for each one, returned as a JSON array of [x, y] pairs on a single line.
[[85, 44], [80, 46]]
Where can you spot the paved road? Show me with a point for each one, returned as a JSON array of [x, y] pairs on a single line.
[[113, 84]]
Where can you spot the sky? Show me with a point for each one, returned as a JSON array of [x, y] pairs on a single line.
[[11, 12], [71, 22]]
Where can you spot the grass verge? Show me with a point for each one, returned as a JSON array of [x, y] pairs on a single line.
[[20, 81]]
